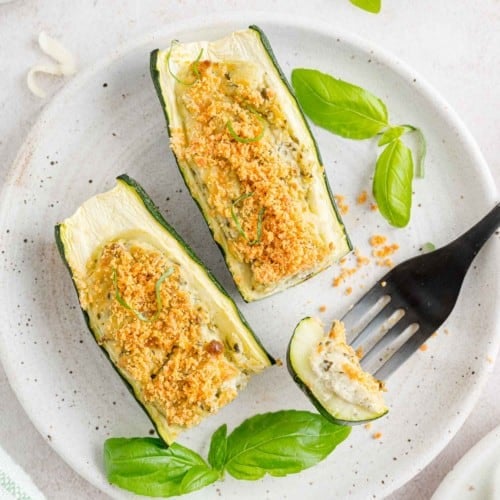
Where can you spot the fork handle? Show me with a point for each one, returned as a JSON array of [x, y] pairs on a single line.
[[472, 241]]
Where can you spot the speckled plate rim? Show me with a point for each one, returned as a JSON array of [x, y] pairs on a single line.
[[284, 21]]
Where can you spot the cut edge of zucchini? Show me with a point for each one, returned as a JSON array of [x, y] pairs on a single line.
[[306, 337]]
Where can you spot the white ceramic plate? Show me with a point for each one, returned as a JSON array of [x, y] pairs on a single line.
[[108, 121], [477, 475]]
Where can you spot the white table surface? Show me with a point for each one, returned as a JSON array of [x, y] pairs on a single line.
[[454, 44]]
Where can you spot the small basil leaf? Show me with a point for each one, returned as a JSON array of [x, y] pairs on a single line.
[[373, 6], [428, 247], [343, 108], [147, 467], [392, 183], [393, 133], [281, 443], [396, 132], [218, 448]]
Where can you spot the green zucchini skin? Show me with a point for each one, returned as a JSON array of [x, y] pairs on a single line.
[[310, 394], [154, 212], [156, 77]]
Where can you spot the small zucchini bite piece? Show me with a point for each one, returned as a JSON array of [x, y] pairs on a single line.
[[327, 369], [249, 160], [167, 326]]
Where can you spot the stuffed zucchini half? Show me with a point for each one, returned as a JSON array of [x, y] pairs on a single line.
[[167, 326], [249, 160], [327, 369]]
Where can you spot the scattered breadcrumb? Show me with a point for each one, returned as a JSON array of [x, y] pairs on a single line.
[[348, 290], [385, 250], [279, 362], [385, 263], [359, 352], [361, 260], [368, 425], [322, 308], [377, 435], [341, 204], [423, 347], [373, 207], [362, 197], [382, 250], [377, 240], [344, 274]]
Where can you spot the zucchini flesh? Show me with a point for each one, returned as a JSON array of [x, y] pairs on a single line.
[[328, 372], [249, 160], [167, 326]]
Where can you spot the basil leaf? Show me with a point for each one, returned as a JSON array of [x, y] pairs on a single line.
[[147, 467], [373, 6], [393, 133], [218, 448], [392, 183], [343, 108], [281, 443]]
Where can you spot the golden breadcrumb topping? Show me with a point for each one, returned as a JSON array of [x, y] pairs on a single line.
[[172, 352], [254, 174]]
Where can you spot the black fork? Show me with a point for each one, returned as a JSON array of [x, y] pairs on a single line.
[[395, 317]]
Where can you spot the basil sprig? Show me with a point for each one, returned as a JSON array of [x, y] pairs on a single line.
[[354, 113], [373, 6], [279, 443]]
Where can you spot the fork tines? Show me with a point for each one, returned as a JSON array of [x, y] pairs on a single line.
[[382, 328]]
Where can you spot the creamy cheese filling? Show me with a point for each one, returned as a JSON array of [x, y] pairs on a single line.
[[251, 169], [159, 333], [337, 370]]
